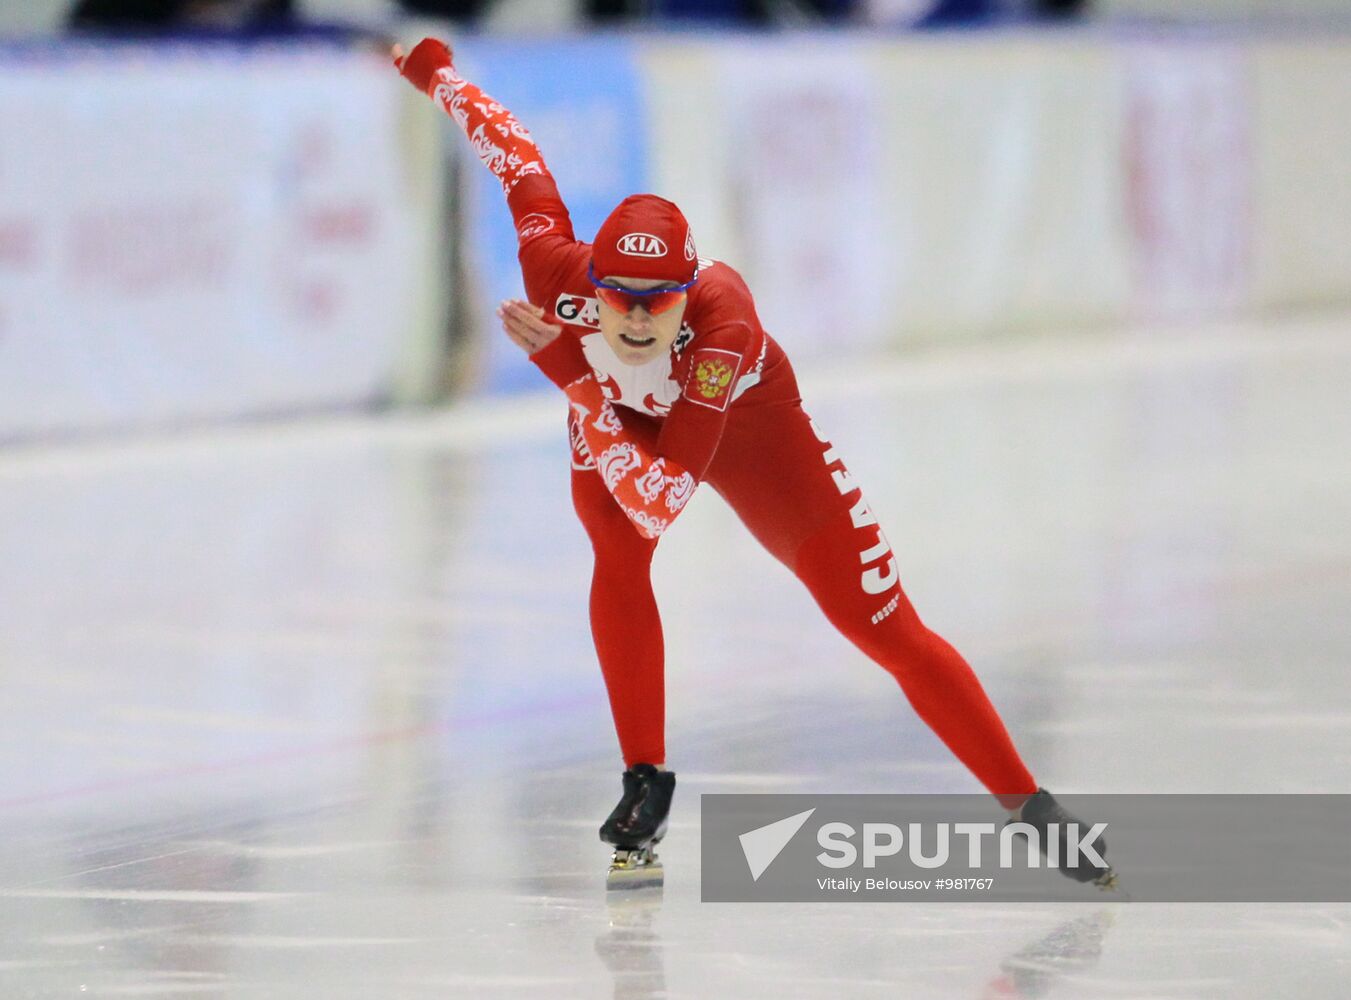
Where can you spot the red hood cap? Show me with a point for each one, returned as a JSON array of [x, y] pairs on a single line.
[[645, 237]]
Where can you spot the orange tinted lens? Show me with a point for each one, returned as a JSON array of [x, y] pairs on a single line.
[[616, 300], [662, 301], [655, 304]]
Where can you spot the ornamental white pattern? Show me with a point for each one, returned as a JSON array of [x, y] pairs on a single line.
[[678, 492], [616, 461], [581, 454], [580, 410], [647, 525], [649, 388], [607, 421], [653, 481], [475, 112], [494, 157]]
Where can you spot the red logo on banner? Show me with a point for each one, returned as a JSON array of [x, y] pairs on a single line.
[[712, 377]]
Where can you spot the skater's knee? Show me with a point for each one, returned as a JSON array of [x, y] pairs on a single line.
[[888, 623], [622, 549], [613, 537], [906, 649]]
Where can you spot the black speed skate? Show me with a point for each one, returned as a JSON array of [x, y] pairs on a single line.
[[636, 825], [1039, 812]]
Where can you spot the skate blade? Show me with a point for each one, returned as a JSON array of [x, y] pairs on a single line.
[[1108, 881], [634, 870]]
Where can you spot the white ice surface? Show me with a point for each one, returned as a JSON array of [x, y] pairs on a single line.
[[311, 710]]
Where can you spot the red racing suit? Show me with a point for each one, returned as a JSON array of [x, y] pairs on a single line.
[[722, 408]]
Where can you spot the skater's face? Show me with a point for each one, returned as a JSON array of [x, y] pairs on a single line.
[[637, 336]]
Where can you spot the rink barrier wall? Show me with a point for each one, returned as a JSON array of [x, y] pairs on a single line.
[[211, 231], [216, 232], [879, 192], [934, 188], [875, 191]]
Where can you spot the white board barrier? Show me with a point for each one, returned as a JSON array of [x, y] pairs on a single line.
[[884, 191], [192, 233]]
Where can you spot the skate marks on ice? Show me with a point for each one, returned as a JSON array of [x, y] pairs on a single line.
[[1071, 949], [633, 951], [1150, 557]]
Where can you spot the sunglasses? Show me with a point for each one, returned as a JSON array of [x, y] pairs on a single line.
[[656, 300]]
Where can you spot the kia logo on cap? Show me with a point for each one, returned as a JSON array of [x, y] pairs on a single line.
[[641, 245]]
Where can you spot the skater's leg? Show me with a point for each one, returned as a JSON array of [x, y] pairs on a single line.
[[940, 685], [794, 494], [627, 631], [625, 623]]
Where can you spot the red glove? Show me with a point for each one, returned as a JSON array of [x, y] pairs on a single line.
[[418, 67]]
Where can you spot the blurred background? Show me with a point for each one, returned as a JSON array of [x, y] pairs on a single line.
[[219, 209], [299, 697]]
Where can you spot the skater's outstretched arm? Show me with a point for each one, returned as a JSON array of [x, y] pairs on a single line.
[[651, 489], [543, 225]]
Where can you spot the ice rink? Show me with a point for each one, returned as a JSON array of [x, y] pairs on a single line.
[[310, 710]]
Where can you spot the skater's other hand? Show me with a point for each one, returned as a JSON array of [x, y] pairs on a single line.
[[419, 66], [526, 326]]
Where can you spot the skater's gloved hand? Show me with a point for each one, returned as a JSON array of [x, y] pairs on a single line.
[[558, 355], [419, 66]]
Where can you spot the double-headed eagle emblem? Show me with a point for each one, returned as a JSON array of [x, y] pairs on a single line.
[[712, 378]]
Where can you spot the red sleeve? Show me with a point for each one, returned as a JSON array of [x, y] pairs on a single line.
[[547, 250], [653, 489], [543, 226], [717, 363], [712, 370]]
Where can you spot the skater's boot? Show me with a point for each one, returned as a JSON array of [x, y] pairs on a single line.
[[1039, 812], [637, 823], [640, 818]]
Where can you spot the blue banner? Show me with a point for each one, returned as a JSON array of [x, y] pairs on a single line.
[[581, 100]]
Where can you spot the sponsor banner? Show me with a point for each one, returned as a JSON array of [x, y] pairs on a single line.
[[881, 193], [874, 193], [958, 848], [808, 174], [199, 232], [581, 101], [1188, 152], [1302, 201], [1003, 187]]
